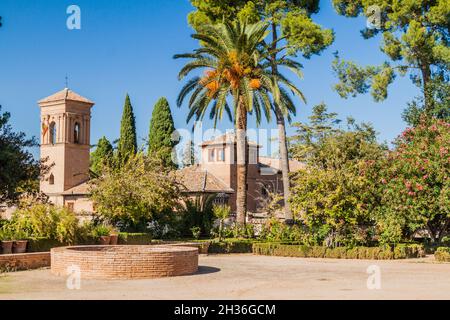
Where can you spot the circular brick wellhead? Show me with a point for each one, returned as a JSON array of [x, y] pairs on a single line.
[[124, 262]]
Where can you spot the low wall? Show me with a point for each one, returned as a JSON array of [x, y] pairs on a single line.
[[24, 261]]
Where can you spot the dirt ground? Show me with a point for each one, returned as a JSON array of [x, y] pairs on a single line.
[[252, 277]]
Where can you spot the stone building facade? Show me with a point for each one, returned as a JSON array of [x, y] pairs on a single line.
[[65, 145], [217, 169]]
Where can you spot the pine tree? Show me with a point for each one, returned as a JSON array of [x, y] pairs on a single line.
[[414, 37], [127, 141], [162, 127], [102, 155]]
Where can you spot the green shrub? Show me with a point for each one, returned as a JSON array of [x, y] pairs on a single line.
[[318, 251], [230, 247], [353, 253], [275, 230], [43, 245], [380, 253], [196, 232], [403, 251], [442, 254], [135, 238], [45, 221], [336, 253], [101, 230]]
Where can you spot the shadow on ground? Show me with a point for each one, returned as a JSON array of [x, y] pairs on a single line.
[[206, 270]]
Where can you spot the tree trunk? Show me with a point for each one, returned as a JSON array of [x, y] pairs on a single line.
[[284, 155], [427, 90], [220, 230], [241, 143]]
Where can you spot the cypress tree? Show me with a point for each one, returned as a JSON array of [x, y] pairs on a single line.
[[189, 158], [160, 142], [127, 141], [102, 155]]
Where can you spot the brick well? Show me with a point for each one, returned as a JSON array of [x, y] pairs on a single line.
[[125, 262]]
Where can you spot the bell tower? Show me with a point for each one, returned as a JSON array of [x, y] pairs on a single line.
[[65, 140]]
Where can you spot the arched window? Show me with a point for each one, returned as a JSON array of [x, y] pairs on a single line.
[[53, 133], [51, 180], [76, 133]]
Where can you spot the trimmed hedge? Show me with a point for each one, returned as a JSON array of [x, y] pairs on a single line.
[[135, 238], [43, 245], [442, 254], [401, 251], [231, 247]]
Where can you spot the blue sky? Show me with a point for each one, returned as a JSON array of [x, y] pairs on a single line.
[[127, 47]]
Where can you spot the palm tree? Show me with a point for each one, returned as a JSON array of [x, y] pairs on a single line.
[[283, 107], [231, 57]]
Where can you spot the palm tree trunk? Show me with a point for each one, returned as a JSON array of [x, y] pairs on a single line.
[[284, 155], [241, 167]]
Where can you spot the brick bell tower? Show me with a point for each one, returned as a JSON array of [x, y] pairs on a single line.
[[65, 141]]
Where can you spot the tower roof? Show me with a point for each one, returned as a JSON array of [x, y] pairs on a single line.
[[65, 94]]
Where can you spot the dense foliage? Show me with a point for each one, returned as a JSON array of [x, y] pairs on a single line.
[[45, 221], [196, 212], [414, 183], [19, 171], [102, 156], [355, 191], [332, 196], [138, 192]]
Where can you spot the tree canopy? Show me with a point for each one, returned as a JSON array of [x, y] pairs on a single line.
[[103, 155], [413, 183], [293, 17], [415, 39], [19, 171], [141, 190], [332, 196]]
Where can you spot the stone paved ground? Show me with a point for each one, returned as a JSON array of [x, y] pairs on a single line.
[[252, 277]]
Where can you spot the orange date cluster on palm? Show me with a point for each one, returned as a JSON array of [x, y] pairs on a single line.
[[232, 70]]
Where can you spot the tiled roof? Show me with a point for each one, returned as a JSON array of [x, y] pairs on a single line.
[[81, 189], [193, 179], [224, 139], [65, 94], [275, 163]]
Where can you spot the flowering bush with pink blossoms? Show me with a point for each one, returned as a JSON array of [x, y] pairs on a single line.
[[414, 183]]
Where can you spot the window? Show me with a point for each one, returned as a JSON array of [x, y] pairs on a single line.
[[53, 133], [70, 206], [264, 191], [76, 133], [212, 155], [51, 179], [221, 199], [221, 154]]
